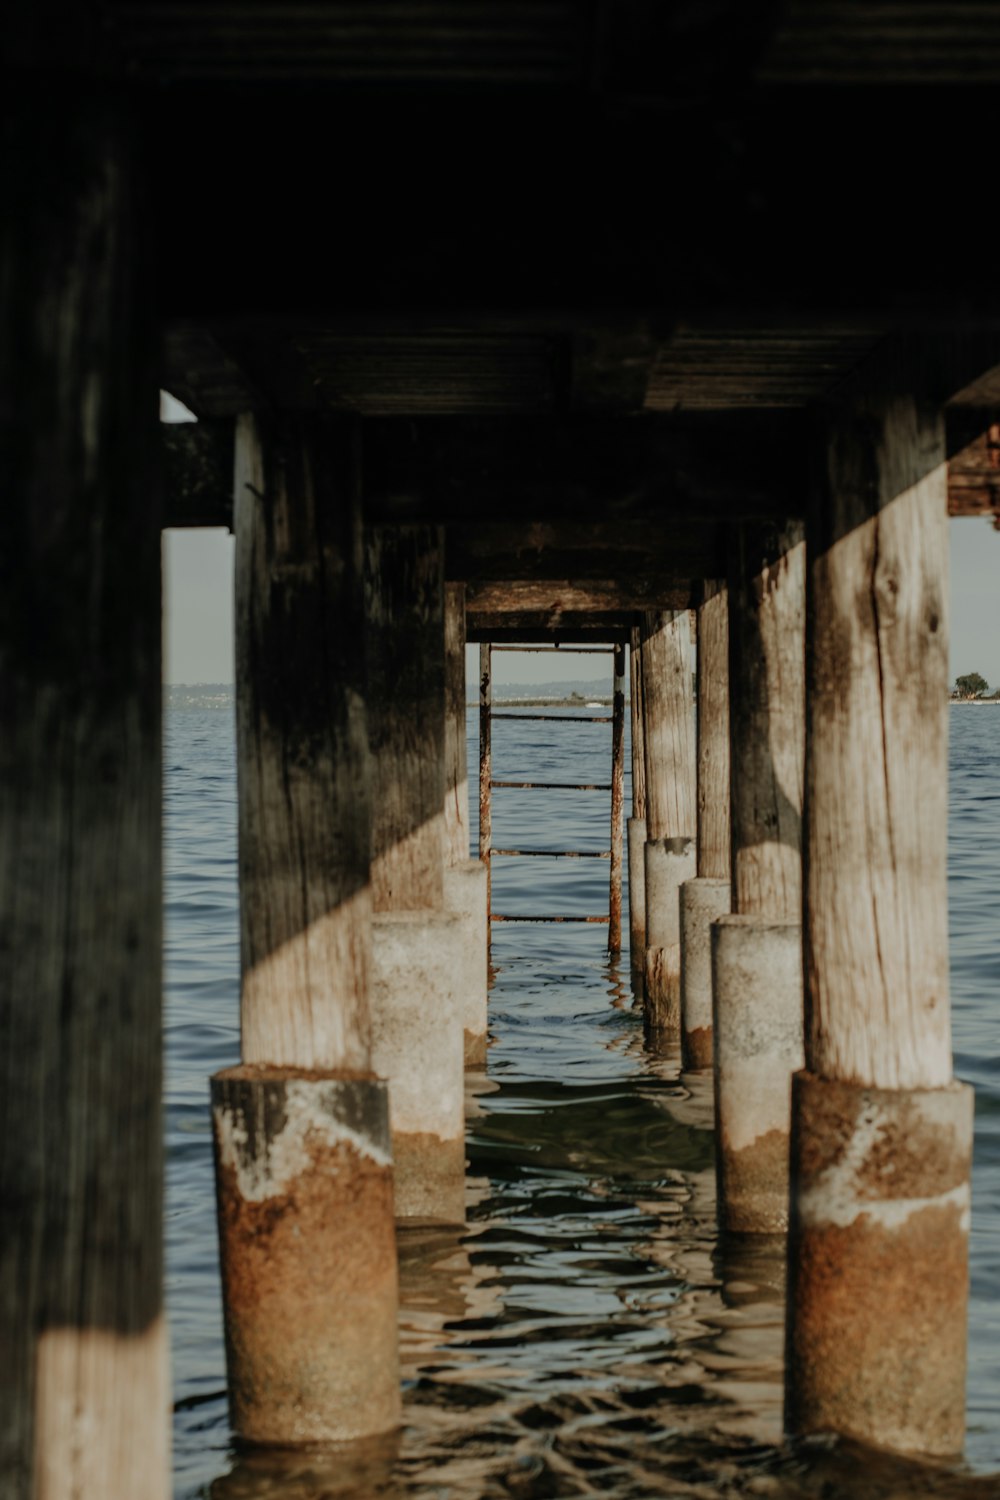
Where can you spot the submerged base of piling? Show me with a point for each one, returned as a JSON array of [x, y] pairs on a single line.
[[757, 1023], [418, 1010], [636, 829], [308, 1253], [878, 1264]]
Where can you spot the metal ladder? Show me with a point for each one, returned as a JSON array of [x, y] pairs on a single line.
[[616, 786]]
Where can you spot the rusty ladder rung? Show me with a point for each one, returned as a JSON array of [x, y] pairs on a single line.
[[556, 853], [558, 718], [615, 786], [555, 786], [497, 917]]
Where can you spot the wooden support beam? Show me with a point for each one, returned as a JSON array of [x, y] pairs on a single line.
[[599, 470], [83, 1377], [565, 629], [487, 550], [560, 597]]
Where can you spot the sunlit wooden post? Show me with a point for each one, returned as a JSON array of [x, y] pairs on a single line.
[[486, 774], [417, 999], [636, 827], [757, 951], [709, 895], [617, 802], [882, 1134], [303, 1159], [668, 722], [464, 878], [83, 1375]]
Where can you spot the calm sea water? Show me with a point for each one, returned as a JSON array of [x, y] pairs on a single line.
[[587, 1333]]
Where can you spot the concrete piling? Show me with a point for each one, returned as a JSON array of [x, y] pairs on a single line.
[[310, 1280], [701, 901], [423, 973], [881, 1133], [303, 1162], [756, 954], [757, 977]]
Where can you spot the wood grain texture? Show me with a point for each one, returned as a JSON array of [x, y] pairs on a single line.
[[767, 581], [712, 731], [668, 718], [456, 772], [876, 925], [617, 801], [579, 596], [404, 592], [304, 802], [636, 724], [83, 1394]]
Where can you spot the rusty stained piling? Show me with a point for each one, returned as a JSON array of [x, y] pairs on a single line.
[[756, 953], [878, 1248], [304, 1180], [303, 1170], [617, 802], [419, 954]]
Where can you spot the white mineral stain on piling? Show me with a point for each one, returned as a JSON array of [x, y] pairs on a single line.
[[310, 1124]]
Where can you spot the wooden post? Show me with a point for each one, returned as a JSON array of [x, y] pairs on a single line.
[[668, 723], [456, 802], [419, 955], [637, 822], [303, 1168], [464, 878], [83, 1377], [756, 956], [617, 802], [302, 753], [486, 771], [881, 1133], [709, 895]]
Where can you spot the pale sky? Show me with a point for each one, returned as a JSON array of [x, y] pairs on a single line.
[[198, 609]]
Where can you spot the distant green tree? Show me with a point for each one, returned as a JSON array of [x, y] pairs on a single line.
[[972, 685]]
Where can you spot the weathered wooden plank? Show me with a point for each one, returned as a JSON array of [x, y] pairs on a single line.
[[304, 800], [668, 716], [404, 591], [877, 1009], [570, 628], [637, 720], [767, 581], [83, 1379], [456, 773], [602, 469], [485, 549], [558, 597], [617, 801], [714, 837]]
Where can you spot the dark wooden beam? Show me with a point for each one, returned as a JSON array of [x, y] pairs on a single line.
[[558, 598], [974, 462], [596, 549], [539, 625], [710, 466]]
